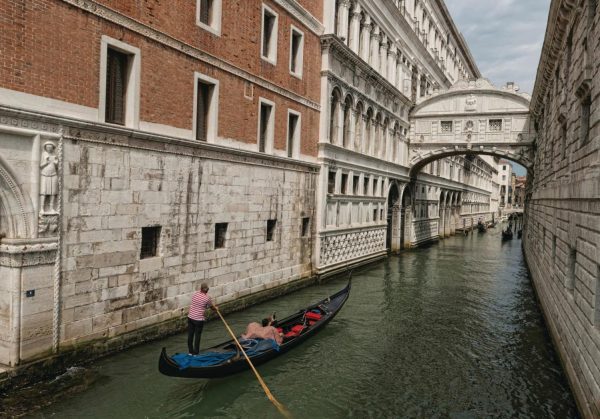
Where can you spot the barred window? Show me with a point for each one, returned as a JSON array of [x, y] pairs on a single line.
[[150, 241], [495, 125], [446, 127]]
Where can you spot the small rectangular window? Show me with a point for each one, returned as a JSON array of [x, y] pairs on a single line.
[[296, 52], [270, 229], [150, 242], [585, 118], [269, 35], [305, 226], [446, 127], [331, 182], [265, 122], [208, 15], [355, 184], [344, 185], [293, 133], [374, 215], [220, 235], [375, 187], [495, 125], [205, 11], [117, 71], [366, 186]]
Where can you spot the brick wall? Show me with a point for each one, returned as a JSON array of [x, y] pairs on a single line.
[[52, 49]]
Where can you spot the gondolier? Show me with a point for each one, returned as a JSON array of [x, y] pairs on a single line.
[[196, 318]]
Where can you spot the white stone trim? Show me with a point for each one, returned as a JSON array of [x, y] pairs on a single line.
[[213, 111], [300, 53], [132, 97], [302, 15], [297, 133], [272, 53], [270, 130], [215, 25], [36, 103]]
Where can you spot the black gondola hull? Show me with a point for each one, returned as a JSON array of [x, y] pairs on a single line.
[[168, 366]]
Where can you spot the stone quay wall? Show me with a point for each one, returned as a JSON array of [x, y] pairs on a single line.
[[562, 225]]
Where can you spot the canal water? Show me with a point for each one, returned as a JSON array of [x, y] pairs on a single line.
[[452, 330]]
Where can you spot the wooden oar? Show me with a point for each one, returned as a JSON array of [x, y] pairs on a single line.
[[282, 409]]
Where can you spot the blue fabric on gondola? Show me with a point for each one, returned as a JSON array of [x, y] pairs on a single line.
[[252, 347]]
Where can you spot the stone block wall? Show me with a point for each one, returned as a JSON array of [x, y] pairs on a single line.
[[562, 226], [113, 191]]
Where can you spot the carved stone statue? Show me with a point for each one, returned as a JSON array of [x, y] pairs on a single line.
[[49, 179]]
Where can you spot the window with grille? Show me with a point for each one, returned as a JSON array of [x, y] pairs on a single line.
[[203, 103], [296, 52], [446, 127], [271, 224], [269, 35], [305, 226], [220, 235], [205, 11], [495, 125], [117, 69], [150, 242]]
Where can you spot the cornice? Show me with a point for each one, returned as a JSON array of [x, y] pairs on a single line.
[[133, 25], [558, 21], [80, 130], [295, 9]]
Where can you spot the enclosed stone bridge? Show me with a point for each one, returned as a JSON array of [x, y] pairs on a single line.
[[472, 117]]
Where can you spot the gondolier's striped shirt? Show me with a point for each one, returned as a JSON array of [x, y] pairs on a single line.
[[200, 301]]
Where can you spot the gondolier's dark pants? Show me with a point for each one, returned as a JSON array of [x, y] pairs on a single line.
[[194, 331]]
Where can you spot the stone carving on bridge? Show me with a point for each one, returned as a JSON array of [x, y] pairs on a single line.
[[471, 103]]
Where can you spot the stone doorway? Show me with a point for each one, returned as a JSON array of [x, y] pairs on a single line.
[[393, 219]]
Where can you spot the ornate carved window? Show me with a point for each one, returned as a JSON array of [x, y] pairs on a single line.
[[495, 125], [446, 127]]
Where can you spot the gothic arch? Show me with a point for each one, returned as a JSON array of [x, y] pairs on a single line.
[[16, 213]]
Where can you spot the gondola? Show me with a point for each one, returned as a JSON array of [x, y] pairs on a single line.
[[481, 227], [297, 328], [507, 235]]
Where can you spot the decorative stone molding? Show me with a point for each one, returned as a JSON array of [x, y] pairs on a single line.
[[187, 49], [20, 253], [343, 247]]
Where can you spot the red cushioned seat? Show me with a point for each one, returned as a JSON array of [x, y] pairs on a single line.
[[313, 316]]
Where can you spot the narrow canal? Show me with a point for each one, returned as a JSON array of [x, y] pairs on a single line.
[[448, 331]]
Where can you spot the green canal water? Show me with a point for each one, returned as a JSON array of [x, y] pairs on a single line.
[[452, 330]]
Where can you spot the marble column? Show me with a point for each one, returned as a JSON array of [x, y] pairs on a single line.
[[383, 52], [391, 64], [354, 31], [342, 19], [365, 39], [374, 58]]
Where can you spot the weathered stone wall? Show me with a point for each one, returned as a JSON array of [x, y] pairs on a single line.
[[112, 191], [562, 230]]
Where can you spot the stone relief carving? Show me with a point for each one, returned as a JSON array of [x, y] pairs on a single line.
[[48, 179], [470, 103]]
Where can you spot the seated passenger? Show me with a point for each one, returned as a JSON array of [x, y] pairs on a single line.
[[264, 331]]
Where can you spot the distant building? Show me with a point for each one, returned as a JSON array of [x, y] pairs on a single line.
[[519, 191], [505, 180]]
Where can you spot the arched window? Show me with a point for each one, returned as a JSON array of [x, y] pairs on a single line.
[[384, 139], [368, 131], [358, 132], [334, 113], [377, 142], [346, 140]]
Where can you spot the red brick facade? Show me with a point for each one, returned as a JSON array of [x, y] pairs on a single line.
[[52, 49]]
